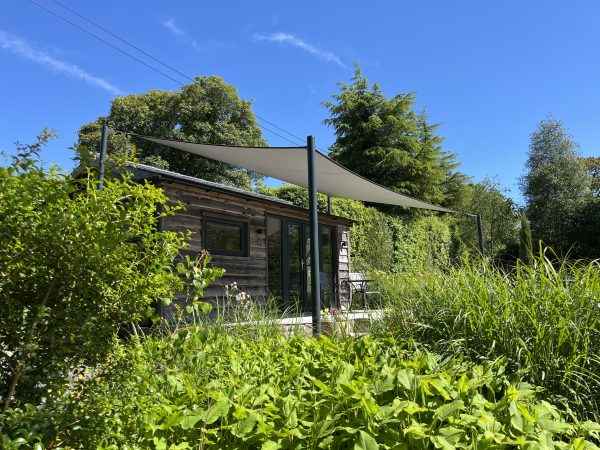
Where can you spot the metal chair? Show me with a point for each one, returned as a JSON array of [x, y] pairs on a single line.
[[357, 282]]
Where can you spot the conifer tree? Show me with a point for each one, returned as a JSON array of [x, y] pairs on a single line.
[[386, 141]]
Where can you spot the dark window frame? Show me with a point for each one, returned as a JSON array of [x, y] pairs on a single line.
[[334, 236], [244, 236]]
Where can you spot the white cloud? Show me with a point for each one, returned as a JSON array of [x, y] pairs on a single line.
[[18, 46], [299, 43], [169, 24]]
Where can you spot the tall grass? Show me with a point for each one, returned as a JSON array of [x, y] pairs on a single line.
[[544, 319]]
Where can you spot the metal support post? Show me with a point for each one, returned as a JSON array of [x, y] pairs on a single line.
[[101, 162], [314, 237]]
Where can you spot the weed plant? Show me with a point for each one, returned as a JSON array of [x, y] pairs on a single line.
[[543, 318]]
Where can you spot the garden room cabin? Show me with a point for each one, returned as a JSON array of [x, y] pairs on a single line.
[[261, 242]]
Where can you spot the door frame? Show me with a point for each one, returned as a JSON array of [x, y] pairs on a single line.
[[305, 303]]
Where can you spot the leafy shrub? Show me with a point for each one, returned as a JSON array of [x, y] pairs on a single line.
[[545, 319], [75, 263], [205, 388]]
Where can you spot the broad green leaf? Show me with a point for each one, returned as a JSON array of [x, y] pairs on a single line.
[[173, 420], [293, 432], [516, 419], [415, 429], [323, 428], [591, 427], [349, 388], [321, 385], [411, 407], [404, 377], [219, 409], [188, 422], [452, 434], [160, 443], [382, 386], [346, 371], [463, 385], [327, 442], [270, 445], [364, 441], [441, 442], [445, 411], [545, 440], [554, 426], [245, 426]]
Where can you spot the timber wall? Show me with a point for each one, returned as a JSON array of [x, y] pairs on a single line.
[[249, 272]]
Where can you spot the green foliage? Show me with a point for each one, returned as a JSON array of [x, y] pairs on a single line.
[[395, 242], [204, 388], [293, 194], [544, 319], [525, 245], [592, 165], [385, 141], [208, 111], [75, 263], [499, 216], [389, 242], [583, 236], [556, 184], [371, 240]]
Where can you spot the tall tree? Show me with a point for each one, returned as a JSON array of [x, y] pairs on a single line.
[[556, 184], [207, 111], [386, 141]]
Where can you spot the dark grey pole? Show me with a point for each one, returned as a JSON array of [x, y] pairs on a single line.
[[101, 162], [314, 237], [480, 234], [328, 204]]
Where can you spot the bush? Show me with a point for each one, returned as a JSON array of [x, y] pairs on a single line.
[[75, 264], [544, 318], [204, 388]]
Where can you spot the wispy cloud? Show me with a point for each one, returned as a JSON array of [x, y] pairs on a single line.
[[169, 24], [19, 46], [286, 38]]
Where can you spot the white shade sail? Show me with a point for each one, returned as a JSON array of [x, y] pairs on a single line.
[[289, 164]]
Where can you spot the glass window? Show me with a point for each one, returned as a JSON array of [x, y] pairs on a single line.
[[327, 266], [225, 237]]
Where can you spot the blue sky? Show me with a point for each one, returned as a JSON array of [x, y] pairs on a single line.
[[488, 71]]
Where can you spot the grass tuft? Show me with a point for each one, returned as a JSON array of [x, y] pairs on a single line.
[[544, 319]]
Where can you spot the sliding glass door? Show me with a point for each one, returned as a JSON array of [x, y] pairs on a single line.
[[289, 265]]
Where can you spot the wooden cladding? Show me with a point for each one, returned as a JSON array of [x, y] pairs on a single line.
[[244, 223]]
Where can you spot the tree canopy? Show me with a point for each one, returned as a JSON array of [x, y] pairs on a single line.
[[593, 166], [499, 214], [207, 111], [556, 185], [386, 141]]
